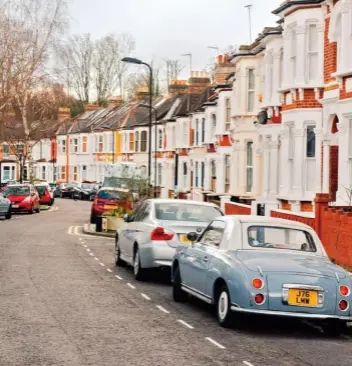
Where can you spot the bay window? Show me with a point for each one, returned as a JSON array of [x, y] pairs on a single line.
[[131, 142], [143, 141], [310, 143], [84, 144], [196, 176], [84, 172], [202, 174], [312, 54], [293, 58], [185, 175], [249, 167], [44, 172], [100, 143], [227, 114], [203, 130], [136, 142], [186, 134]]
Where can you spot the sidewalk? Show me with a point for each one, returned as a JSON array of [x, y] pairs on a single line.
[[90, 230]]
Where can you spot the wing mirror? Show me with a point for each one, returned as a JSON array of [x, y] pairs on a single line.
[[127, 218], [192, 237]]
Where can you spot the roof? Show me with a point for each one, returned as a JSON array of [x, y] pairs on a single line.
[[266, 220], [288, 3]]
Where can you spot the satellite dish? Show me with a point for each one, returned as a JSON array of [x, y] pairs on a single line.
[[263, 117]]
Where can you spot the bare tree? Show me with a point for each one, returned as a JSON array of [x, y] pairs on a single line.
[[173, 70]]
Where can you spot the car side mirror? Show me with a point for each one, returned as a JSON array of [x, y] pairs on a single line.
[[127, 218], [192, 237]]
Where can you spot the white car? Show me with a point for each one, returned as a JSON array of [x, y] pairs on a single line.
[[157, 227]]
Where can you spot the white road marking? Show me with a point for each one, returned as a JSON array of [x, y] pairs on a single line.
[[163, 309], [129, 285], [70, 230], [96, 258], [247, 363], [85, 246], [91, 254], [102, 264], [88, 250], [146, 297], [185, 324], [215, 343], [118, 277], [109, 270]]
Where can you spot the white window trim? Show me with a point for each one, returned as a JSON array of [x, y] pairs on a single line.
[[250, 91]]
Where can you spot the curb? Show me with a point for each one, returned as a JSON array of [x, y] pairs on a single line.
[[88, 230]]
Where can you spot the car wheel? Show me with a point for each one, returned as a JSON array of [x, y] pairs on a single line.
[[61, 195], [92, 219], [138, 271], [31, 211], [9, 214], [223, 307], [38, 209], [334, 328], [178, 294], [118, 261]]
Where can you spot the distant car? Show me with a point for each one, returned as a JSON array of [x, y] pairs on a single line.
[[264, 266], [84, 191], [45, 195], [66, 190], [108, 199], [23, 197], [5, 207], [156, 228]]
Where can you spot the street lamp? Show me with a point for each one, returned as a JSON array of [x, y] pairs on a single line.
[[107, 128], [155, 142], [135, 61]]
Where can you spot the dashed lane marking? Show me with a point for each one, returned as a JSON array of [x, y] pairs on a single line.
[[185, 324], [163, 309], [91, 254], [109, 270], [96, 258], [211, 340], [130, 285], [146, 297], [75, 230], [102, 264], [247, 363], [118, 277], [85, 246], [88, 250]]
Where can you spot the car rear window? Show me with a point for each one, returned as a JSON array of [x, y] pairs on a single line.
[[41, 190], [111, 195], [273, 237], [17, 191], [87, 186], [186, 212]]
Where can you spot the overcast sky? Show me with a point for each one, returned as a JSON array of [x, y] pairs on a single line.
[[169, 28]]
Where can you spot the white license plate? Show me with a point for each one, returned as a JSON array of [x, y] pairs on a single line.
[[15, 206]]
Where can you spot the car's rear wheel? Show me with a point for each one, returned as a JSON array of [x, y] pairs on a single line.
[[223, 307], [38, 209], [9, 214], [178, 294], [138, 271], [334, 328], [31, 211], [80, 196]]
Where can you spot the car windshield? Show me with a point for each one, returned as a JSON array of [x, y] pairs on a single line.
[[186, 212], [111, 195], [280, 238], [41, 190], [87, 186], [17, 191]]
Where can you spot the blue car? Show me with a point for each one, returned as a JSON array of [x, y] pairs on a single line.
[[263, 265]]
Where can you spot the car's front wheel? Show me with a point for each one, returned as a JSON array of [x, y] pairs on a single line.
[[138, 271], [178, 294], [223, 307], [9, 214], [118, 261], [38, 209]]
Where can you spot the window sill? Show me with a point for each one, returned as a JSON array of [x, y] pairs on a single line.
[[342, 73]]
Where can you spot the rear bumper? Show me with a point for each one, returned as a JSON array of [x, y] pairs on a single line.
[[156, 254], [291, 314]]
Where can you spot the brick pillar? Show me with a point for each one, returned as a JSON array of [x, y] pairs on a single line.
[[321, 202]]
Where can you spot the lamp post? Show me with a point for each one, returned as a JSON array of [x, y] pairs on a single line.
[[155, 142], [135, 61]]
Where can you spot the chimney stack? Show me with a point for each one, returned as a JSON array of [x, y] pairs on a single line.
[[64, 114], [198, 81], [91, 107], [223, 69], [115, 102], [142, 94], [178, 87]]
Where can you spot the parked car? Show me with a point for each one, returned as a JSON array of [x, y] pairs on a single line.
[[5, 207], [46, 197], [108, 199], [268, 266], [156, 228], [65, 190], [84, 191], [23, 197]]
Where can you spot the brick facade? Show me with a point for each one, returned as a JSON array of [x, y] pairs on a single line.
[[330, 55], [304, 220], [234, 209], [308, 101], [343, 93], [334, 171]]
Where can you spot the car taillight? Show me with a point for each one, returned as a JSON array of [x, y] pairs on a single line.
[[344, 290], [160, 233], [343, 305], [259, 299], [257, 283]]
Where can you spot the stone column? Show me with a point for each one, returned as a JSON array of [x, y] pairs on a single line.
[[301, 31], [274, 160], [344, 183], [220, 174], [298, 164], [234, 176], [326, 165], [266, 168], [276, 78], [318, 161], [207, 175], [242, 158], [345, 36], [285, 178], [258, 172], [321, 28]]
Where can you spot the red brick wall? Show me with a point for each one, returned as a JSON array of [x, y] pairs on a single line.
[[330, 54], [334, 170], [343, 93], [233, 209], [306, 206], [285, 205], [304, 220], [308, 101]]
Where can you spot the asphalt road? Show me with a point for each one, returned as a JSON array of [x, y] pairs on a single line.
[[63, 302]]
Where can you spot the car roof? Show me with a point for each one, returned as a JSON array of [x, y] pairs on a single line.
[[253, 219], [114, 189], [186, 202]]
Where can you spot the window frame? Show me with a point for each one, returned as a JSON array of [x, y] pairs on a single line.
[[250, 90], [203, 130], [144, 141], [84, 144], [100, 143], [136, 141], [312, 52], [160, 139], [310, 127], [249, 167]]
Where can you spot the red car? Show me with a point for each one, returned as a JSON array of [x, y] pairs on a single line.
[[108, 199], [45, 196], [23, 197]]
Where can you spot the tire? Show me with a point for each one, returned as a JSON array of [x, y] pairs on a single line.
[[138, 271], [38, 209], [9, 214], [31, 212], [178, 294], [118, 261], [223, 307], [61, 195], [92, 219], [334, 328]]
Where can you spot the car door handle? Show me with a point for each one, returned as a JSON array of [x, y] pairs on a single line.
[[205, 259]]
